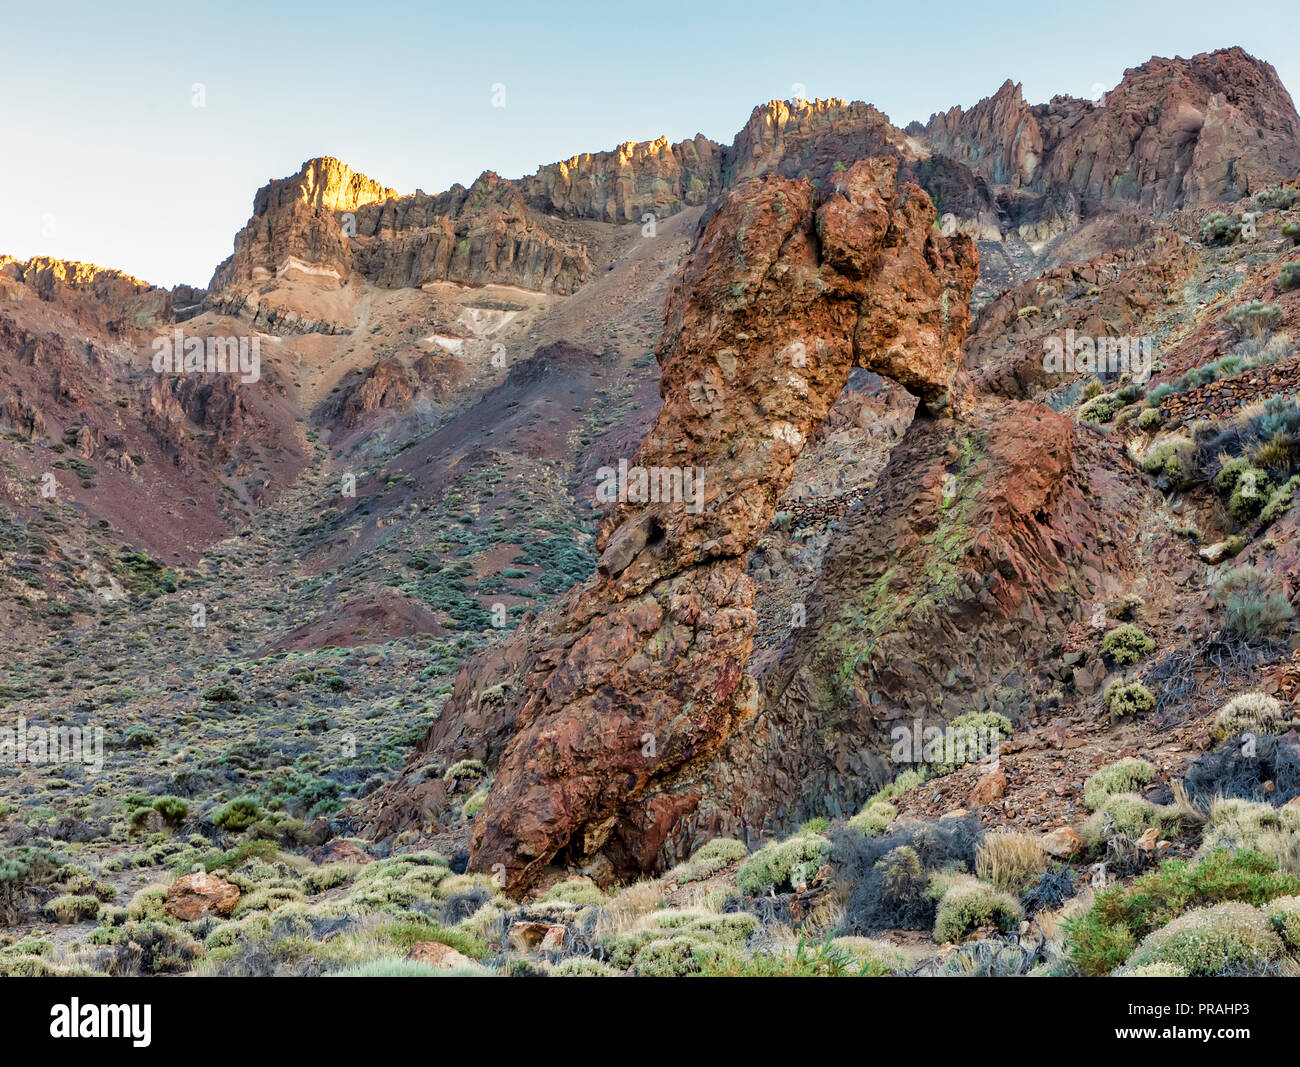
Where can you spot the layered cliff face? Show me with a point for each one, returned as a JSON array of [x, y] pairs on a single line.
[[488, 235], [1174, 133], [643, 672], [809, 136], [634, 179], [294, 231]]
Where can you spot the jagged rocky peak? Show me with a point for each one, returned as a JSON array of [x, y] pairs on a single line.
[[294, 232], [1174, 133], [999, 138], [322, 183], [810, 136]]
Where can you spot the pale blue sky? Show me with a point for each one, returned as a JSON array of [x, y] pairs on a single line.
[[106, 160]]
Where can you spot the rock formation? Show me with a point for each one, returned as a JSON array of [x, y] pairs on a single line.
[[294, 230], [635, 178], [1174, 133], [642, 672]]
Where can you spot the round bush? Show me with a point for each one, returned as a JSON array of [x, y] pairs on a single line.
[[582, 967], [1124, 776], [1126, 644], [1226, 939], [783, 865], [1131, 698], [1254, 712]]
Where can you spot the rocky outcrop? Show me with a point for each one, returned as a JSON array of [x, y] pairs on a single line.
[[392, 385], [1174, 133], [294, 231], [999, 138], [327, 223], [198, 895], [490, 235], [633, 179], [810, 138], [979, 546], [100, 298], [1103, 297], [642, 672]]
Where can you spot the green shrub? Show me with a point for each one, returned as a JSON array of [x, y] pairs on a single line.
[[965, 904], [1011, 861], [1284, 915], [582, 967], [578, 891], [1255, 607], [1281, 500], [406, 934], [1277, 198], [876, 959], [139, 737], [674, 957], [784, 865], [391, 967], [970, 737], [1225, 939], [238, 815], [1173, 464], [826, 960], [1152, 970], [874, 818], [1220, 228], [1256, 712], [1124, 776], [1104, 936], [71, 909], [1127, 698], [467, 769], [909, 779], [1126, 812], [1150, 419], [1289, 277], [172, 809], [708, 860], [1126, 644], [1255, 319], [1249, 495], [721, 848], [1101, 408], [1242, 824]]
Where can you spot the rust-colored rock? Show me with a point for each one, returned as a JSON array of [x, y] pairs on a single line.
[[991, 787], [1213, 127], [199, 894], [1062, 843], [439, 955], [530, 936], [642, 672], [339, 851]]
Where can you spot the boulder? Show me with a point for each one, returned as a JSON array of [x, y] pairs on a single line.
[[198, 895]]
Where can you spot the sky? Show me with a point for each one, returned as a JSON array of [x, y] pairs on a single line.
[[107, 157]]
